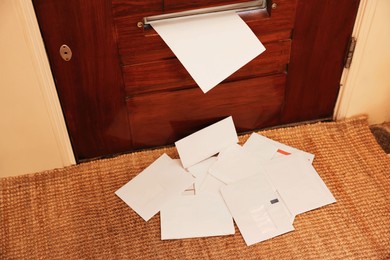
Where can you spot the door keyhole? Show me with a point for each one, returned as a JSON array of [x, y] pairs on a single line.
[[65, 52]]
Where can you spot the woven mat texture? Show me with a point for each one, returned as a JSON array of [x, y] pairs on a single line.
[[73, 213]]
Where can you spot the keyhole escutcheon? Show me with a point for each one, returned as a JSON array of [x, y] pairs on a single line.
[[65, 52]]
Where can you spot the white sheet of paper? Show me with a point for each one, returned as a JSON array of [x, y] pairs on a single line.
[[298, 183], [206, 142], [282, 149], [260, 148], [212, 46], [161, 181], [257, 209], [191, 189], [200, 170], [236, 164], [210, 184], [228, 151], [202, 215]]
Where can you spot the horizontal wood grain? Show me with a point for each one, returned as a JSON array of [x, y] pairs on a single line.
[[136, 50], [170, 74], [162, 118], [138, 45], [180, 5], [132, 7]]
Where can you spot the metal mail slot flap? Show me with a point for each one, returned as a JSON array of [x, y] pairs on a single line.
[[239, 7]]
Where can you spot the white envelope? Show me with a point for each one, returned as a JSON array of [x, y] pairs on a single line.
[[161, 181], [257, 209], [211, 46], [206, 142], [202, 215], [200, 170], [210, 184], [282, 149], [236, 164], [191, 189], [260, 148], [229, 151], [298, 183]]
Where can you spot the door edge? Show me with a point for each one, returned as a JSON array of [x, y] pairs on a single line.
[[349, 77], [45, 78]]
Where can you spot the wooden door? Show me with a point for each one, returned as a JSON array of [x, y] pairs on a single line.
[[123, 89], [90, 85]]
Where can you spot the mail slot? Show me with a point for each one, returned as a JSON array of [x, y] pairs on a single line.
[[238, 7], [171, 6]]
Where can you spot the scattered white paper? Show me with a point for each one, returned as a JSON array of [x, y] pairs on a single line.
[[161, 181], [206, 142], [260, 148], [189, 191], [257, 209], [228, 151], [236, 164], [212, 46], [282, 149], [299, 184], [239, 162], [202, 215], [256, 184], [200, 170], [210, 184]]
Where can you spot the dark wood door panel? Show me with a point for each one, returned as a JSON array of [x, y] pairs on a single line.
[[162, 118], [138, 49], [179, 5], [133, 7], [139, 45], [317, 55], [170, 74], [90, 85]]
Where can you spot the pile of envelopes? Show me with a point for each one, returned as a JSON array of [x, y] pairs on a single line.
[[262, 185]]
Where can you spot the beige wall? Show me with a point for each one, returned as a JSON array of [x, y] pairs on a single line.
[[28, 136], [366, 87]]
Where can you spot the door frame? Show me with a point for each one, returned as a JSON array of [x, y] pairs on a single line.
[[349, 77], [44, 76]]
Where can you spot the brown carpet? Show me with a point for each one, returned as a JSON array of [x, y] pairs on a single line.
[[73, 213]]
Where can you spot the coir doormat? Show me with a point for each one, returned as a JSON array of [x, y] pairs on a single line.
[[73, 213]]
